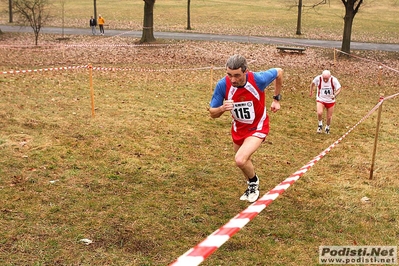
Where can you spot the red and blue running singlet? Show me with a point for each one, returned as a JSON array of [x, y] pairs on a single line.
[[249, 112]]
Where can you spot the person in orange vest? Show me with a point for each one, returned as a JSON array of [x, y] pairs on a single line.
[[101, 22]]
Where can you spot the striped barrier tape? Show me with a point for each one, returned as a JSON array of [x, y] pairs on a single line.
[[322, 47], [120, 45], [106, 69], [204, 249], [390, 97], [87, 45], [42, 69], [151, 70], [368, 60]]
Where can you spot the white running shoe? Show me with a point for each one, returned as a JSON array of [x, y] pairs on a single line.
[[252, 192], [327, 130], [319, 129]]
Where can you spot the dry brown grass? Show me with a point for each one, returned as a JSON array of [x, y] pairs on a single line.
[[151, 175], [376, 21]]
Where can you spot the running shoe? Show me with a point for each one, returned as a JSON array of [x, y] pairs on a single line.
[[252, 192]]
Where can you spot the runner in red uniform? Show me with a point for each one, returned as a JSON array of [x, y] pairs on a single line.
[[242, 92]]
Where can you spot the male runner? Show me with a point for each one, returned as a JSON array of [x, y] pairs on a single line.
[[328, 88], [242, 92]]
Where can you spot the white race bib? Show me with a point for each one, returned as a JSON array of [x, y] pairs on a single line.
[[244, 112]]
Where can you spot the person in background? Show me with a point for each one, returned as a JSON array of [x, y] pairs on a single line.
[[242, 93], [101, 22], [327, 90], [93, 24]]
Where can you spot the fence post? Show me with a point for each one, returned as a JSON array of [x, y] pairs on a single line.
[[211, 86], [91, 89], [334, 56], [376, 137]]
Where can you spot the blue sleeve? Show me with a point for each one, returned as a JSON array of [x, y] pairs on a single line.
[[264, 78], [219, 94]]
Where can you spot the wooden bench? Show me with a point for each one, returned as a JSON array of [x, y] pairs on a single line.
[[293, 49]]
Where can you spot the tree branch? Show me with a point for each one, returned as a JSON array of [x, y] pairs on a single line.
[[358, 6]]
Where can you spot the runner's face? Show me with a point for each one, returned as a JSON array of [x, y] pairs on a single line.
[[236, 76], [326, 78]]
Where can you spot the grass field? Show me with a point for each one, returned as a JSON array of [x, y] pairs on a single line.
[[376, 21], [151, 174]]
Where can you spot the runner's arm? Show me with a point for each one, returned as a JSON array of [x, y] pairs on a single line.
[[312, 86], [216, 112], [337, 92], [278, 83]]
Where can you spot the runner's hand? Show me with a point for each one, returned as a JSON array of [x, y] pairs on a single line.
[[228, 105], [275, 106]]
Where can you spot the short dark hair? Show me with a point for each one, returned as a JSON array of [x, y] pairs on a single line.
[[237, 61]]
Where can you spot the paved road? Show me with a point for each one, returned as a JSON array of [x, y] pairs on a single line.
[[214, 37]]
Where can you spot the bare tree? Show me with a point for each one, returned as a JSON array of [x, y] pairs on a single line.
[[95, 8], [188, 15], [148, 25], [10, 19], [63, 15], [33, 12], [299, 20], [351, 9], [300, 7]]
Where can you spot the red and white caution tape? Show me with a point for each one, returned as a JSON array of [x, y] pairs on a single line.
[[106, 69], [121, 45], [200, 252], [42, 69], [150, 70], [59, 46]]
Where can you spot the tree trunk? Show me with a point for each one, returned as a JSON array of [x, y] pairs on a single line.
[[351, 8], [63, 16], [148, 26], [298, 24], [36, 31], [95, 9], [10, 10], [188, 15], [346, 39]]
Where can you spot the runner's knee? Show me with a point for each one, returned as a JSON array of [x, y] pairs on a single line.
[[240, 161]]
